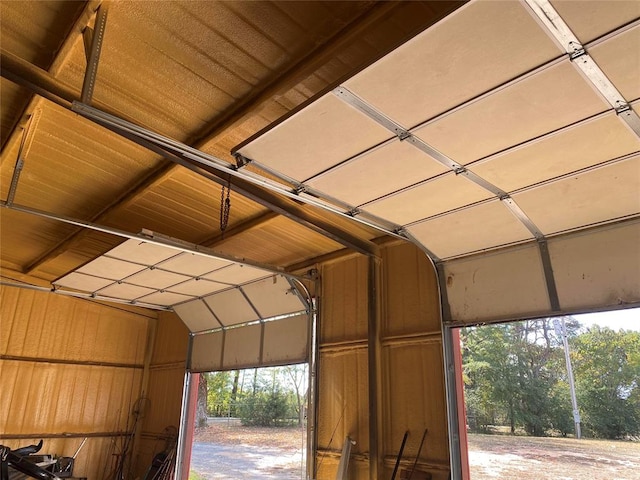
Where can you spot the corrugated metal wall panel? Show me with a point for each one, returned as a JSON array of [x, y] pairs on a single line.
[[343, 406], [416, 400], [172, 340], [47, 398], [69, 368], [40, 325], [95, 460], [411, 364], [164, 390]]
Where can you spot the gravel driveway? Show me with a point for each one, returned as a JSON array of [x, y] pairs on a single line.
[[246, 462]]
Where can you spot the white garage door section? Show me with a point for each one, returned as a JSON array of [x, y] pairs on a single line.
[[238, 315], [504, 140]]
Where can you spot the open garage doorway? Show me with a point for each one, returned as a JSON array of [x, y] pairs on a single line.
[[251, 424], [551, 398]]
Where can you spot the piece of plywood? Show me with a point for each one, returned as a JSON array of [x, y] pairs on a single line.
[[164, 298], [197, 287], [125, 291], [236, 274], [619, 59], [196, 315], [242, 347], [598, 269], [110, 268], [137, 251], [273, 296], [286, 341], [192, 264], [154, 278], [80, 281], [590, 19], [206, 352], [231, 307]]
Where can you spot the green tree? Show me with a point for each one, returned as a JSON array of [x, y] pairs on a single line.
[[219, 393], [265, 408], [607, 367], [512, 374]]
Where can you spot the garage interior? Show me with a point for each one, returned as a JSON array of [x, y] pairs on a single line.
[[186, 186]]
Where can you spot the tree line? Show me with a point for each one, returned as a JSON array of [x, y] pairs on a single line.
[[273, 396], [515, 377]]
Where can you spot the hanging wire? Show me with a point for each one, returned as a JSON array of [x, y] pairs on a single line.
[[225, 205]]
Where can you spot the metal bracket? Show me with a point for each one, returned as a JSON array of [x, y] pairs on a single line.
[[403, 135], [241, 161], [577, 52], [354, 211]]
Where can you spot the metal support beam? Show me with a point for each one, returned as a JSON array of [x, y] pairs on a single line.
[[552, 290], [374, 350], [93, 56], [86, 296], [216, 171], [452, 404]]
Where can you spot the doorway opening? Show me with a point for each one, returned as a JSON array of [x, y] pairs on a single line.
[[251, 424], [552, 397]]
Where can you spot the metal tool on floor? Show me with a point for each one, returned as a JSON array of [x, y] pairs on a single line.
[[399, 458]]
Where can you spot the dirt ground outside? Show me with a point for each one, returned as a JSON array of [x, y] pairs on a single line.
[[227, 450], [494, 457]]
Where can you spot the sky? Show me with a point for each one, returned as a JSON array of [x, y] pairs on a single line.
[[628, 319]]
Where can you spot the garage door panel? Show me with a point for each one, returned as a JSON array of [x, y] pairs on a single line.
[[480, 227], [599, 268], [438, 195], [551, 99], [585, 145], [438, 63], [506, 284], [584, 199]]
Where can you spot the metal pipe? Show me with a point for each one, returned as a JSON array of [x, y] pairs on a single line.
[[28, 436]]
